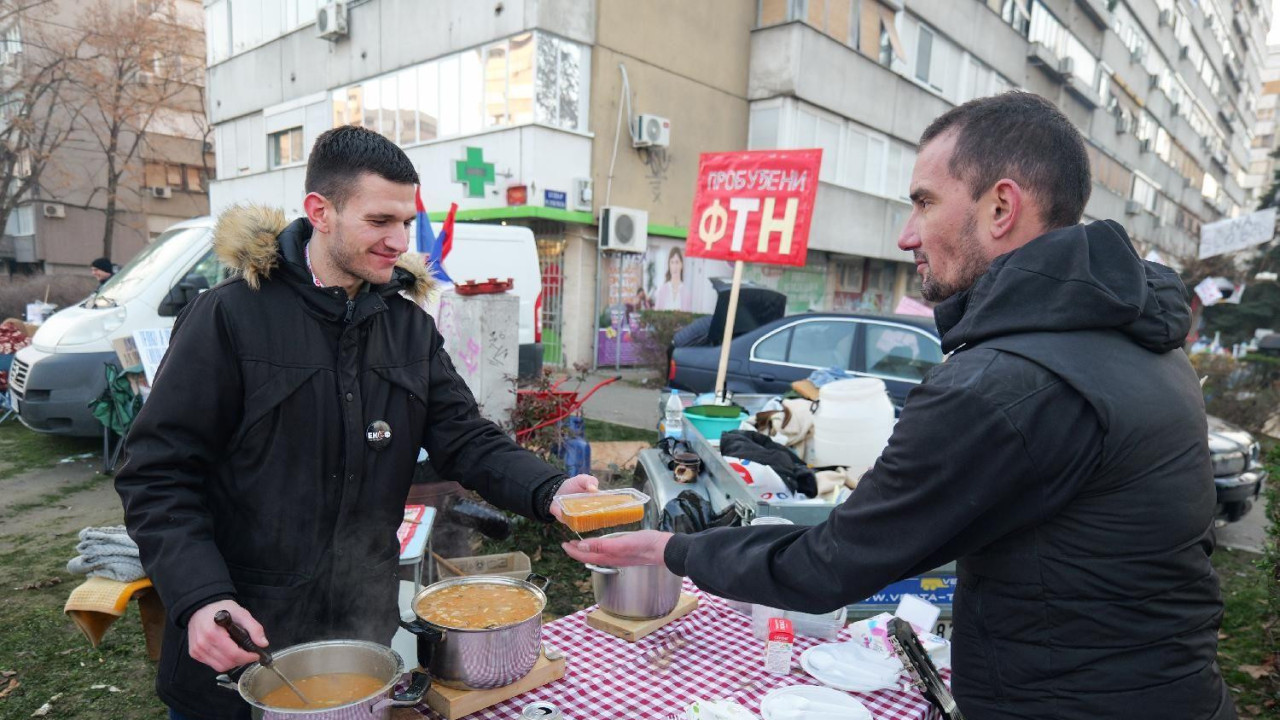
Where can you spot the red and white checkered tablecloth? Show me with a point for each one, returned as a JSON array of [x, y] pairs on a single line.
[[708, 654]]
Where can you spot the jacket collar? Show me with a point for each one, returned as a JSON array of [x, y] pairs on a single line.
[[258, 242]]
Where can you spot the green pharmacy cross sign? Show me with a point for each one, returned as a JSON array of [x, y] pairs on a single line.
[[474, 172]]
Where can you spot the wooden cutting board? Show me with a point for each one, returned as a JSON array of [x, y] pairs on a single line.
[[633, 630], [453, 703]]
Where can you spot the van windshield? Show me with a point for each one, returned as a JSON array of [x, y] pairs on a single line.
[[155, 258]]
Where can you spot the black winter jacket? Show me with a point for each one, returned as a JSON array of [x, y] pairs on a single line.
[[248, 474], [1060, 455]]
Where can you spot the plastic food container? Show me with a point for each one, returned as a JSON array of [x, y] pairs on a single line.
[[584, 512]]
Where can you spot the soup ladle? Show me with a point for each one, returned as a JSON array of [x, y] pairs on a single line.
[[241, 637]]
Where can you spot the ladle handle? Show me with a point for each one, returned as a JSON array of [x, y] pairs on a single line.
[[240, 636]]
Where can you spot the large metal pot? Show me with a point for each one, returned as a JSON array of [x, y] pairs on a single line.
[[332, 656], [640, 592], [479, 659]]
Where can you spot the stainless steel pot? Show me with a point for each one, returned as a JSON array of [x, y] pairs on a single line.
[[479, 659], [332, 656], [640, 592]]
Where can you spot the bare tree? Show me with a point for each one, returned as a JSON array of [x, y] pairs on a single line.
[[130, 76], [36, 116]]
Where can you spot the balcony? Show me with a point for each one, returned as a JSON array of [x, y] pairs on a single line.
[[1096, 10], [794, 60]]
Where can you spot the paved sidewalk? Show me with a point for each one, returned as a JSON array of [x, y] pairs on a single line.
[[624, 402]]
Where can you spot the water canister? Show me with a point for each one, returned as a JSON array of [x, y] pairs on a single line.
[[852, 424], [576, 449]]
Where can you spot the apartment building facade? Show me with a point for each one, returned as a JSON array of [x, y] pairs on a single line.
[[58, 226], [530, 112]]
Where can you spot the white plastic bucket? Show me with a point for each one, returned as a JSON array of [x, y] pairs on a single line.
[[852, 425]]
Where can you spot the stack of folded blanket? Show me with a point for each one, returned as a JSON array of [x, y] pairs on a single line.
[[107, 552]]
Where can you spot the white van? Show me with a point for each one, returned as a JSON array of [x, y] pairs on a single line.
[[54, 379]]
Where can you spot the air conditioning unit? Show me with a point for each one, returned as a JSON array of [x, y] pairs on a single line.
[[582, 196], [1184, 51], [331, 20], [1145, 146], [1123, 124], [1175, 108], [624, 229], [162, 192], [54, 210], [652, 131], [1132, 207], [1166, 18], [1066, 66], [1136, 54]]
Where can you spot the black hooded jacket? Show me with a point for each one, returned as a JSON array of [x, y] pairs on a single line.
[[248, 470], [1059, 455]]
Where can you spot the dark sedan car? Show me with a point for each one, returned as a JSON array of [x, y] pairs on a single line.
[[896, 349], [1238, 472]]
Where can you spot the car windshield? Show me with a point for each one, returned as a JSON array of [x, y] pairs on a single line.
[[133, 277]]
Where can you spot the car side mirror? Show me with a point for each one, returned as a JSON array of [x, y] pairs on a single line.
[[180, 295]]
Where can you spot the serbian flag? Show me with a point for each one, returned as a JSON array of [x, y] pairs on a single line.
[[435, 247]]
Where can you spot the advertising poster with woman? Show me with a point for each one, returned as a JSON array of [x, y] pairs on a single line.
[[660, 279]]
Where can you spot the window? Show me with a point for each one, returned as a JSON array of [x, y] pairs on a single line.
[[407, 93], [520, 78], [428, 102], [773, 12], [195, 179], [1144, 192], [21, 221], [774, 347], [286, 147], [924, 49], [495, 85], [822, 344], [531, 77], [210, 268], [899, 353], [763, 132]]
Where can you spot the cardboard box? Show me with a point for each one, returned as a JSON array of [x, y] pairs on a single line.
[[126, 352], [513, 565]]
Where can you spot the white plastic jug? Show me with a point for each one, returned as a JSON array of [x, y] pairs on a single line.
[[852, 424]]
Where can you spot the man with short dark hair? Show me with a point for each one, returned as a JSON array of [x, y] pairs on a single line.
[[267, 473], [1059, 454]]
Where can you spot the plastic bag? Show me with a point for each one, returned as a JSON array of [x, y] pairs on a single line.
[[689, 512]]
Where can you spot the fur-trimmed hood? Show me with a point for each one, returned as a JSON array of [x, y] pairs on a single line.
[[246, 240]]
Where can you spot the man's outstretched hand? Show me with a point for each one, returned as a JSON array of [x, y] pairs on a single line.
[[644, 547]]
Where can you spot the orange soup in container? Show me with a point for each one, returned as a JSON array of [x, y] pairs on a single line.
[[584, 512]]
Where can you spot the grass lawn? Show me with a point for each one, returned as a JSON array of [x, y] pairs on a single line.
[[22, 450], [1242, 645], [601, 431]]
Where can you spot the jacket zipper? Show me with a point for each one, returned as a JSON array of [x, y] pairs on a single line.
[[351, 308]]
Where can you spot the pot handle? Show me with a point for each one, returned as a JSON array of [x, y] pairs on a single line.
[[603, 570], [224, 681], [424, 631], [419, 683], [539, 581]]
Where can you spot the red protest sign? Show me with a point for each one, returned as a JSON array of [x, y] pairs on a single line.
[[754, 206]]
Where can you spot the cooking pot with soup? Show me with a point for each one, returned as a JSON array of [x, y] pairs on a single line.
[[342, 679], [479, 632]]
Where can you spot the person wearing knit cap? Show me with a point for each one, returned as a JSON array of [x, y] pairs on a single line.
[[102, 269]]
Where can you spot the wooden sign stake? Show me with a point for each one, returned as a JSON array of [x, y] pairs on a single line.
[[728, 333]]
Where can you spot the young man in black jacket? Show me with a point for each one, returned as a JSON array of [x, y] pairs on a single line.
[[267, 473], [1059, 454]]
